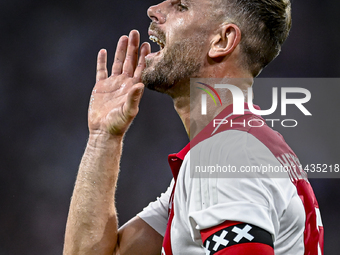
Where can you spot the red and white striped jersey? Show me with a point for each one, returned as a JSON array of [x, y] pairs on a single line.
[[285, 207]]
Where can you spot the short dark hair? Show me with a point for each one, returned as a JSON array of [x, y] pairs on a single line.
[[264, 25]]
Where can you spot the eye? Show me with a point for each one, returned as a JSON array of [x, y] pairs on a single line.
[[181, 7]]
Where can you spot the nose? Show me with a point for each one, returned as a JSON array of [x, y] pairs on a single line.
[[156, 13]]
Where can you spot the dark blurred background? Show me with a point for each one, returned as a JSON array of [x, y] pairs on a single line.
[[47, 70]]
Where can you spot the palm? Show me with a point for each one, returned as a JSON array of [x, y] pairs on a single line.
[[115, 99]]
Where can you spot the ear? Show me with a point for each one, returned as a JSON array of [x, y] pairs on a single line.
[[226, 41]]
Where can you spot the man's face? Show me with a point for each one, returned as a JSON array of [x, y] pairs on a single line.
[[183, 29]]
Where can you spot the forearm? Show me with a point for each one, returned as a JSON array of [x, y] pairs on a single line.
[[92, 221]]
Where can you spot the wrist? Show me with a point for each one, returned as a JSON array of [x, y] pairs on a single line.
[[100, 139]]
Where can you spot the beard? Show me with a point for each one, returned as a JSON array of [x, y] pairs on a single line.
[[179, 63]]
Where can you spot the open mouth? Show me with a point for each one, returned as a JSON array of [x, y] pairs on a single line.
[[158, 41]]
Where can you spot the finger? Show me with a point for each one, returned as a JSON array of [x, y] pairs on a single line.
[[145, 49], [120, 55], [101, 65], [133, 100], [131, 58]]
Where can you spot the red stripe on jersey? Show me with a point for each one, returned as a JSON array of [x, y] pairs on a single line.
[[205, 233], [175, 162], [166, 247], [313, 235], [247, 248]]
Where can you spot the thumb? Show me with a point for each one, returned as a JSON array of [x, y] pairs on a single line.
[[133, 99]]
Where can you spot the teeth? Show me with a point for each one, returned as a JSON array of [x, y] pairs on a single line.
[[156, 40]]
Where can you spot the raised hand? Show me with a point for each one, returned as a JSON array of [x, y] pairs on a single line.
[[115, 99]]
